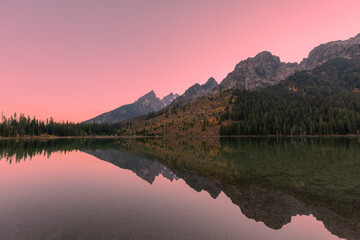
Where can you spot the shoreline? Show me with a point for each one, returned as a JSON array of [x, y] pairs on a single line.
[[72, 137], [132, 137], [290, 136]]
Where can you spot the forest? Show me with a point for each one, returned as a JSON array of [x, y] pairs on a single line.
[[19, 126], [324, 101]]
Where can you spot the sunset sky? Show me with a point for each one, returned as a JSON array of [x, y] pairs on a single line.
[[75, 59]]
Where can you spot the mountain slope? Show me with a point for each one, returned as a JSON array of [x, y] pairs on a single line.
[[199, 117], [144, 105], [323, 101]]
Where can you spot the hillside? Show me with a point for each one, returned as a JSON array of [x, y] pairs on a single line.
[[197, 118], [144, 105], [323, 101], [319, 102]]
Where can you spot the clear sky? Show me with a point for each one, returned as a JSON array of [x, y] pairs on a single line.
[[74, 59]]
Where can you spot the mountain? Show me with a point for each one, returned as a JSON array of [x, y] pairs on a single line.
[[266, 69], [197, 91], [263, 70], [144, 105], [167, 100], [347, 49], [323, 101]]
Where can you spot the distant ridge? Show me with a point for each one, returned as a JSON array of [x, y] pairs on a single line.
[[150, 103], [144, 105], [196, 91]]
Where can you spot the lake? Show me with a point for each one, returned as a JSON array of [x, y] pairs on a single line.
[[227, 188]]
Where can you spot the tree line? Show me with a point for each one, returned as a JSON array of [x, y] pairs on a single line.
[[19, 126]]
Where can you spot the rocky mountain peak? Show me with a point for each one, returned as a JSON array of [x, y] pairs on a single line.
[[260, 71], [149, 99], [150, 96], [169, 98], [144, 105], [265, 56], [211, 83], [347, 49], [197, 91]]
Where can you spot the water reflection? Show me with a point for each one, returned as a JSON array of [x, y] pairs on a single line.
[[270, 179]]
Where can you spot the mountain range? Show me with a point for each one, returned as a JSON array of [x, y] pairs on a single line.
[[263, 70], [266, 69], [144, 105]]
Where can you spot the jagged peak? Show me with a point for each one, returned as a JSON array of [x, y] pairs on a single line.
[[149, 95], [266, 56], [211, 82], [170, 96], [196, 85]]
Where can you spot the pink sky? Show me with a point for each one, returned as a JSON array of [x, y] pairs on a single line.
[[74, 59]]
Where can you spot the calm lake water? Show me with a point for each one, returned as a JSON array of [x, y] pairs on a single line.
[[240, 188]]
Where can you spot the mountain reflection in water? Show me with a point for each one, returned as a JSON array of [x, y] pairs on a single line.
[[270, 179]]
